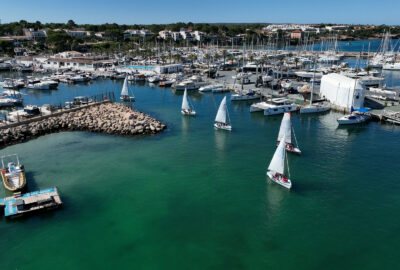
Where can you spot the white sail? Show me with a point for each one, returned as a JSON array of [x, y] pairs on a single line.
[[185, 101], [278, 160], [286, 128], [221, 114], [124, 91]]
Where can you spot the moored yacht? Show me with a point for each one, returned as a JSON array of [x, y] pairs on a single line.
[[249, 95]]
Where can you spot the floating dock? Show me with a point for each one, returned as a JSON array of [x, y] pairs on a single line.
[[42, 200]]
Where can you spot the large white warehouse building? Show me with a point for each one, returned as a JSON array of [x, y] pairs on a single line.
[[342, 91]]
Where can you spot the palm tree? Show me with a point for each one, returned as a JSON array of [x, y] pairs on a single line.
[[163, 58], [207, 57], [296, 61], [224, 55], [368, 69], [170, 56]]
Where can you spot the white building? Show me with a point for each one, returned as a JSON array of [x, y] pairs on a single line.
[[199, 36], [164, 34], [77, 33], [33, 34], [137, 33], [342, 91], [159, 69], [186, 35], [176, 36]]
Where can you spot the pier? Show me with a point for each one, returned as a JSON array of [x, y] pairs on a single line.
[[42, 200]]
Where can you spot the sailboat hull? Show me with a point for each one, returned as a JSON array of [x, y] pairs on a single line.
[[223, 127], [191, 113], [314, 109], [127, 98], [287, 183]]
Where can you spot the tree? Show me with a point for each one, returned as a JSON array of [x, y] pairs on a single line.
[[71, 24], [296, 61], [59, 40], [224, 54]]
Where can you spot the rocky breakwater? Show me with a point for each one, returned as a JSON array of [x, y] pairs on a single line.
[[109, 118]]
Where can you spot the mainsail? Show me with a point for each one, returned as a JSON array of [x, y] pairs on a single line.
[[185, 101], [286, 129], [221, 115], [278, 160], [124, 91]]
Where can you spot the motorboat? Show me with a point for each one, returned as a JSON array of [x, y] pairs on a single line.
[[13, 174], [280, 106]]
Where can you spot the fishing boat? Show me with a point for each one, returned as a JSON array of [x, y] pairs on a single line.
[[186, 108], [222, 120], [276, 169], [13, 175], [125, 92], [285, 132]]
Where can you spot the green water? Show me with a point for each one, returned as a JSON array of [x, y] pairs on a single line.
[[196, 198]]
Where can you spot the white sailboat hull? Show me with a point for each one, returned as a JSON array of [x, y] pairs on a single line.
[[280, 109], [279, 180], [238, 97], [186, 112], [314, 109], [127, 98], [223, 127]]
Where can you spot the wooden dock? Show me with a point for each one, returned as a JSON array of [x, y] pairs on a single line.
[[22, 204]]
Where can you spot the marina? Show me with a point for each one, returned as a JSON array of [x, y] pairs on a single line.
[[199, 145]]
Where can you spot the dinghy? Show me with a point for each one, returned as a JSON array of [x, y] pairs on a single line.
[[222, 120], [286, 128], [125, 92], [186, 108], [276, 169]]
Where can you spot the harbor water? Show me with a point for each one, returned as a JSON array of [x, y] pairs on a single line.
[[198, 198]]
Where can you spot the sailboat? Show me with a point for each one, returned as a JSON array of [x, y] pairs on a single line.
[[314, 108], [186, 109], [125, 92], [285, 132], [222, 120], [276, 169]]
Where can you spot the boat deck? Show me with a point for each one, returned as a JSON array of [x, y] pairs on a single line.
[[31, 202]]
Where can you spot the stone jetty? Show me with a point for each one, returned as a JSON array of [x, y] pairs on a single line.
[[104, 117]]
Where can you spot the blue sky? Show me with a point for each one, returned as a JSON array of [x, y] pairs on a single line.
[[168, 11]]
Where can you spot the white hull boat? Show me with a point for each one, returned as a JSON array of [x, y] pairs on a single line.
[[125, 92], [285, 132], [353, 118], [186, 108], [250, 95], [222, 120], [315, 108], [276, 169]]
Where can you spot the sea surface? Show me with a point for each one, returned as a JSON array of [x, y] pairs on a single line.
[[194, 197]]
